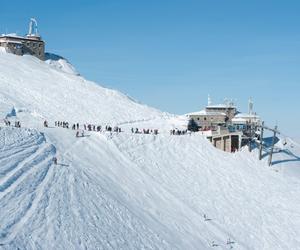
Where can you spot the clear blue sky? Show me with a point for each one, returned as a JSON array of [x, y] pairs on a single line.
[[170, 54]]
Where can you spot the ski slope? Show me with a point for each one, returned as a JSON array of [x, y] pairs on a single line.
[[129, 191]]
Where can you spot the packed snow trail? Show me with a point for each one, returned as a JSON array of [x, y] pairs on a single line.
[[25, 169], [64, 207]]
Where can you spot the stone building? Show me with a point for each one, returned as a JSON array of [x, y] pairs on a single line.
[[214, 115], [207, 119], [31, 44], [225, 127], [228, 109], [228, 142]]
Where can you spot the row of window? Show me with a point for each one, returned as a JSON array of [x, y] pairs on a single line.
[[34, 44], [205, 118]]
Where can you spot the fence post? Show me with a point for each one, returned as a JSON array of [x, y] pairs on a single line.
[[272, 148], [261, 140]]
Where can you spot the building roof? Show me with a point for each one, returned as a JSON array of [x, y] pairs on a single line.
[[246, 116], [15, 36], [243, 118], [220, 106], [207, 113], [239, 120], [12, 41]]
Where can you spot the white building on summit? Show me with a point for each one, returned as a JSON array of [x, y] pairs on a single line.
[[31, 44]]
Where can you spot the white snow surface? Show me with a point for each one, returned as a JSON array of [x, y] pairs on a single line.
[[60, 63], [49, 92], [130, 191]]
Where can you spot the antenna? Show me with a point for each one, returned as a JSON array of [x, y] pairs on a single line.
[[209, 103], [226, 101], [33, 30], [250, 106]]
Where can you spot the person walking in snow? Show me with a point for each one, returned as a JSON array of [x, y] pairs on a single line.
[[7, 122], [55, 160], [18, 124]]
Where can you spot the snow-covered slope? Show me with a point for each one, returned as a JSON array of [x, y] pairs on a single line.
[[129, 191], [60, 63], [49, 92]]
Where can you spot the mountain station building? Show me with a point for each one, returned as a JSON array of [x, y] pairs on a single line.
[[31, 44]]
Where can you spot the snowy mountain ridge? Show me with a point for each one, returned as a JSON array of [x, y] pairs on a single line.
[[126, 190], [32, 84], [60, 63]]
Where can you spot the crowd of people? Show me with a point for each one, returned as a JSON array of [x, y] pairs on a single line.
[[144, 131], [178, 132], [98, 128], [61, 124], [87, 127]]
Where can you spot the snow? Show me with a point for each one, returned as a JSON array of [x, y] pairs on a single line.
[[60, 63], [130, 191], [220, 106], [204, 112], [243, 118], [52, 94], [13, 41], [14, 35]]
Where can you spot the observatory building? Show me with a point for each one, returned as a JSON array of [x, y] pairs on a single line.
[[31, 44]]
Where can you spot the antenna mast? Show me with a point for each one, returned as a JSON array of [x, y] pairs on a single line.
[[209, 102], [250, 106], [33, 29]]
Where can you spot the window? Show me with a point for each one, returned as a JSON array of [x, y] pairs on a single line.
[[204, 118]]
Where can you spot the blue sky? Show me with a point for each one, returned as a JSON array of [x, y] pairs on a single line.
[[170, 54]]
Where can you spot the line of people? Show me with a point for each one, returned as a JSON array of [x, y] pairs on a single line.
[[87, 127], [144, 131], [62, 124], [98, 128], [178, 132]]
